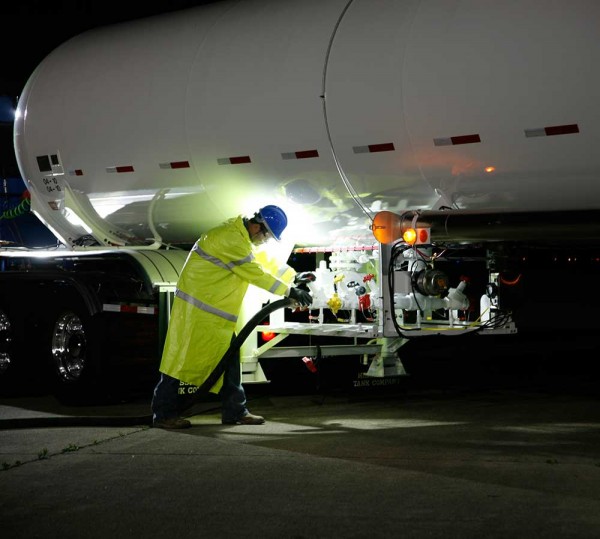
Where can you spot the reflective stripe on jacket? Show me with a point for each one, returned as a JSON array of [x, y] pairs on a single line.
[[209, 296]]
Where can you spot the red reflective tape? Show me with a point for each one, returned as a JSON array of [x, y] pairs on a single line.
[[561, 129], [239, 160], [180, 164], [310, 364], [335, 249], [465, 139], [133, 309], [307, 154], [234, 160], [387, 147], [127, 168]]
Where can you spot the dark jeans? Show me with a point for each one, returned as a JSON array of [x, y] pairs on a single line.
[[168, 404]]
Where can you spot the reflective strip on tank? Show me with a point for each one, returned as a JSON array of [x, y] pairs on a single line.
[[454, 141], [234, 160], [205, 307], [175, 164], [552, 130], [76, 172], [306, 154], [373, 148], [218, 262], [125, 168], [136, 309]]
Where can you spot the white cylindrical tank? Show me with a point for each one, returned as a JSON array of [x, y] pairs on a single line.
[[333, 109]]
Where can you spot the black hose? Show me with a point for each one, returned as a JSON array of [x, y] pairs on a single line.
[[130, 421], [236, 344]]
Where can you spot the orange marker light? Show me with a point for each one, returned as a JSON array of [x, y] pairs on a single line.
[[410, 236], [490, 169], [386, 227]]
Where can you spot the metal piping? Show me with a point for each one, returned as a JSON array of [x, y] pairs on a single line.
[[475, 226]]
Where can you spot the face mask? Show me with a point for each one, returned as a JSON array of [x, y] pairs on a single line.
[[262, 236]]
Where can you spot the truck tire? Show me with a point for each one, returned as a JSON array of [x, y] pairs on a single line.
[[8, 361], [74, 349]]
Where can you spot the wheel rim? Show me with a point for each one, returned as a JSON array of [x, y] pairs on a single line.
[[5, 342], [69, 347]]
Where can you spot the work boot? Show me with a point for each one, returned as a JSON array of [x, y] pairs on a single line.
[[248, 419], [172, 423]]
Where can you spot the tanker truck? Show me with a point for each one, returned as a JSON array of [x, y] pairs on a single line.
[[436, 159]]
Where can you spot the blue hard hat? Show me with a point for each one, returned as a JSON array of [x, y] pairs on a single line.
[[275, 219]]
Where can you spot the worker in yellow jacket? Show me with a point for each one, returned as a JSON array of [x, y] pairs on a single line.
[[208, 299]]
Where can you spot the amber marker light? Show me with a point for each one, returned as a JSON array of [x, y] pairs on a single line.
[[490, 169], [386, 227], [410, 236]]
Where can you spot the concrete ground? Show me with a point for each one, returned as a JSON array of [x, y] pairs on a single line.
[[445, 462]]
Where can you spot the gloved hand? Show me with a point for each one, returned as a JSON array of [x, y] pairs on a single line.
[[304, 277], [302, 297]]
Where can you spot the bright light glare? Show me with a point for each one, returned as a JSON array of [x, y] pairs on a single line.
[[107, 208], [106, 205], [75, 220], [301, 222]]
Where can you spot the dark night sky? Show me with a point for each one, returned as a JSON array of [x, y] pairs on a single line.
[[31, 29]]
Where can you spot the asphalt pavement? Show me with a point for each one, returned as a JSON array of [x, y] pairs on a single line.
[[407, 461]]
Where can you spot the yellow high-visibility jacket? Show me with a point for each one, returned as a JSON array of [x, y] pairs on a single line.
[[208, 299]]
